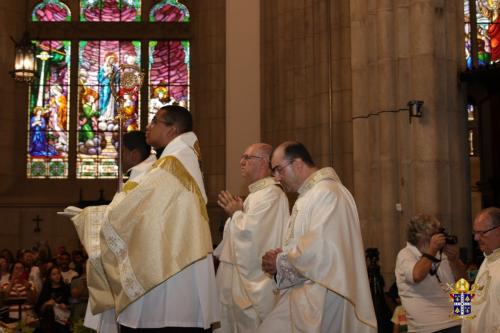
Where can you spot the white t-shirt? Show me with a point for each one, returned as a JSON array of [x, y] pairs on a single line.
[[69, 275], [427, 303]]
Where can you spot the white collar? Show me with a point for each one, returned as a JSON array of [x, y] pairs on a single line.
[[261, 184], [180, 142], [142, 167], [316, 177]]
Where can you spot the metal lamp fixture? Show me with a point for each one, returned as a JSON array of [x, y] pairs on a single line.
[[415, 109], [25, 61]]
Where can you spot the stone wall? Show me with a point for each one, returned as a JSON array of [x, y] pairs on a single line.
[[378, 56]]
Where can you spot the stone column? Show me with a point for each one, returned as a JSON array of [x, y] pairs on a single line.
[[208, 89], [404, 50], [242, 85], [306, 83]]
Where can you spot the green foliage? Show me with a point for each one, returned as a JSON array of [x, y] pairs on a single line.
[[79, 328]]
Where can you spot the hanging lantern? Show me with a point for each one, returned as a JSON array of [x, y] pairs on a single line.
[[25, 61]]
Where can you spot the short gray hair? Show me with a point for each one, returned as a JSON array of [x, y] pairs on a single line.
[[493, 214], [420, 227]]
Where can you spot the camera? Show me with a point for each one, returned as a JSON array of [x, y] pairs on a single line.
[[450, 239]]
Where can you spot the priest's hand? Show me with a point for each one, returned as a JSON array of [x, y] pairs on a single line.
[[229, 202], [269, 261]]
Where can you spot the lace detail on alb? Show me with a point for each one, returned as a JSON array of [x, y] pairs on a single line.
[[94, 242], [287, 276], [291, 225], [129, 282]]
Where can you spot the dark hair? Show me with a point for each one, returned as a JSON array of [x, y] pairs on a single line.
[[77, 252], [493, 214], [7, 261], [14, 265], [47, 282], [65, 254], [137, 140], [7, 254], [293, 150], [178, 116]]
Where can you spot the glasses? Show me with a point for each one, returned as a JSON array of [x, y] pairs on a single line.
[[279, 168], [483, 232], [249, 157], [155, 121]]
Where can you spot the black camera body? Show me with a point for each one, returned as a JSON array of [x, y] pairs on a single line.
[[450, 239]]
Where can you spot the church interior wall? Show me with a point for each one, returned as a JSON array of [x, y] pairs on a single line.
[[407, 55], [383, 54], [301, 85], [323, 63]]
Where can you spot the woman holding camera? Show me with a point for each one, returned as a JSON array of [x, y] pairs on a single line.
[[423, 269]]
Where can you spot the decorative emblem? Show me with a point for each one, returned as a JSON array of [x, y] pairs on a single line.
[[462, 298], [129, 78]]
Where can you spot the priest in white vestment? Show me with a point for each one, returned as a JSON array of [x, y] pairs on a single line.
[[156, 243], [485, 304], [320, 269], [255, 225], [137, 160]]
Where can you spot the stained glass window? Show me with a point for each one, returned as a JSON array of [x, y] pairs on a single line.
[[110, 10], [51, 11], [93, 149], [97, 125], [168, 74], [487, 21], [468, 45], [169, 11], [48, 124]]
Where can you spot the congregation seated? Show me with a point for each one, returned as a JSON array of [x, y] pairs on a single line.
[[53, 303], [68, 274], [4, 270], [7, 254], [79, 295], [60, 299], [19, 293], [33, 272], [77, 261]]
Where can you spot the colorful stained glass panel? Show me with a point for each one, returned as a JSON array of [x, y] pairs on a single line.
[[48, 120], [99, 96], [168, 74], [169, 11], [467, 27], [110, 10], [488, 32], [51, 11]]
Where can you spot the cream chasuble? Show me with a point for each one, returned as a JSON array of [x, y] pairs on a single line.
[[245, 291], [178, 240], [88, 225], [322, 272], [486, 302], [158, 228]]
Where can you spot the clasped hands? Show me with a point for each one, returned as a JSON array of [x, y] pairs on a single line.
[[269, 261], [229, 202]]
